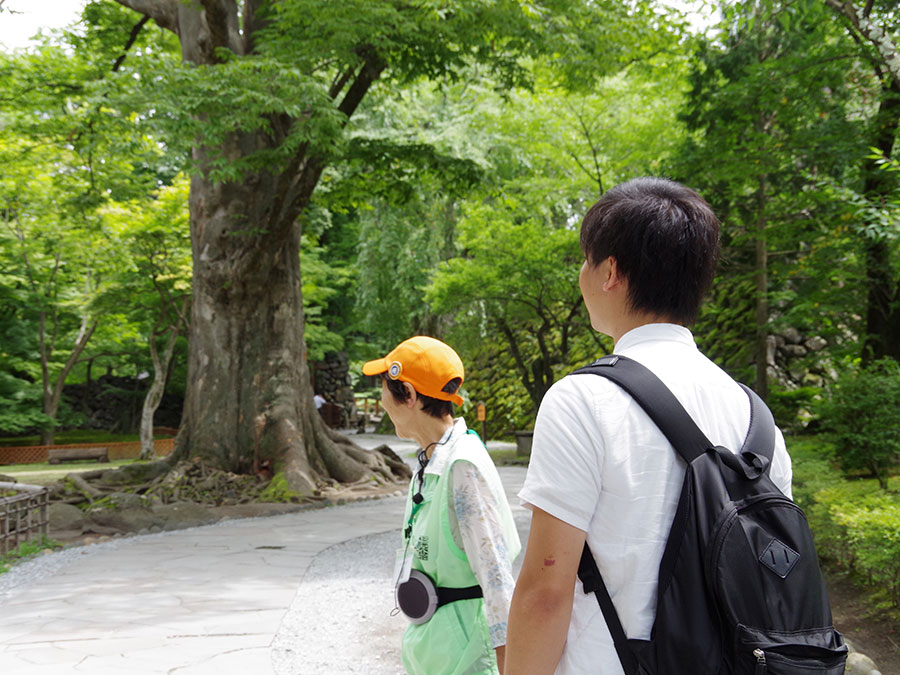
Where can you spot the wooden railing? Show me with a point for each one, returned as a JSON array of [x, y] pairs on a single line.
[[23, 515], [35, 454]]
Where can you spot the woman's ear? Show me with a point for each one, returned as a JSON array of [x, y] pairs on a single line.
[[413, 396]]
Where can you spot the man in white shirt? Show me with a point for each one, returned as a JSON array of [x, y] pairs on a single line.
[[601, 471]]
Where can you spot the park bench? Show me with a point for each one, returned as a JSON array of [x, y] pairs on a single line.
[[58, 455]]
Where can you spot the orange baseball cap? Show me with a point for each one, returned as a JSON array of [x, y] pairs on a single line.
[[427, 364]]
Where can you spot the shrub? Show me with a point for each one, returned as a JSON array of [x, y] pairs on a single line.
[[873, 531], [864, 414], [791, 407], [856, 524]]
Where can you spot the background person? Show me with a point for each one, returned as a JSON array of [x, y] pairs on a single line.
[[600, 469], [458, 528]]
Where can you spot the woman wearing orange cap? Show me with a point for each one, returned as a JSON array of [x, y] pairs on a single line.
[[453, 580]]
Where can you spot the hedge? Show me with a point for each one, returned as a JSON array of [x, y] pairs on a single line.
[[856, 524]]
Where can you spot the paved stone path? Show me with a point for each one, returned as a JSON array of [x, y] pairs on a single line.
[[204, 600]]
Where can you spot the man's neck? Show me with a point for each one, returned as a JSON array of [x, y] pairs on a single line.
[[628, 321]]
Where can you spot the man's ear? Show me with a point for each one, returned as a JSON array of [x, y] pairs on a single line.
[[613, 278], [413, 395]]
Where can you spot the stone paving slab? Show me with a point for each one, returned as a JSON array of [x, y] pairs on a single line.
[[190, 602]]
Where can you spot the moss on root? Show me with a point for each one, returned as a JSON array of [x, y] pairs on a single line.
[[279, 491]]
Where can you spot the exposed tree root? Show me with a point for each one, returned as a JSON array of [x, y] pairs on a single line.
[[380, 471]]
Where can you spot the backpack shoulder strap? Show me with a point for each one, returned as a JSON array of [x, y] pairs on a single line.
[[759, 443]]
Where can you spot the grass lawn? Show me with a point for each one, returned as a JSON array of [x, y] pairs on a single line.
[[73, 436], [46, 474]]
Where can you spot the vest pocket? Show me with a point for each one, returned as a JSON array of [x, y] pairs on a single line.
[[446, 643]]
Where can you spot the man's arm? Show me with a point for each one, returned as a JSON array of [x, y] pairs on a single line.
[[542, 602]]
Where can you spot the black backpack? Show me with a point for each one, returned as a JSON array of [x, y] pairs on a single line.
[[740, 589]]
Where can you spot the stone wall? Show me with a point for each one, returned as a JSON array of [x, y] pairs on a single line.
[[797, 360], [114, 403], [331, 379]]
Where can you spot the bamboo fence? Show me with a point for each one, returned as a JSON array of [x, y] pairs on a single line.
[[23, 515]]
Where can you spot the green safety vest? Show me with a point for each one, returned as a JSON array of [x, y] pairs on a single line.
[[456, 640]]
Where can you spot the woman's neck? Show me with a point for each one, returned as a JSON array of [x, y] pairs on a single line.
[[430, 431]]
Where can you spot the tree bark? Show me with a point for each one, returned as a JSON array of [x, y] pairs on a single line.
[[157, 389], [53, 390], [871, 31], [249, 397]]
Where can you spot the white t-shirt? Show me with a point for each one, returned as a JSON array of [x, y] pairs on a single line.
[[600, 464]]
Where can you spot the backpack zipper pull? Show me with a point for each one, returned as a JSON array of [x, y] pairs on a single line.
[[760, 661]]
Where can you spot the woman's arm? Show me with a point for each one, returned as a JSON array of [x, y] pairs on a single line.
[[477, 530]]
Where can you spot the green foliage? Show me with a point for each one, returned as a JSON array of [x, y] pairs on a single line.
[[68, 154], [724, 330], [511, 287], [792, 408], [322, 283], [864, 414], [772, 110]]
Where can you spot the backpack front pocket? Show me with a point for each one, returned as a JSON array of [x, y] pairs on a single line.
[[819, 651]]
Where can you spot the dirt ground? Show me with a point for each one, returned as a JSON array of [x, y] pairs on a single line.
[[876, 637]]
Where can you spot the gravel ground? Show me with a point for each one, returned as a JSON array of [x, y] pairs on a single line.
[[340, 620]]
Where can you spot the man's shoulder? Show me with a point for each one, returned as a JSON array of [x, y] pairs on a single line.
[[582, 385]]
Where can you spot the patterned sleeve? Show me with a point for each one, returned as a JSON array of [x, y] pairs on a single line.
[[477, 531]]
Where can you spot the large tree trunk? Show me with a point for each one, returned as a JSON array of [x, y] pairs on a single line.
[[249, 396]]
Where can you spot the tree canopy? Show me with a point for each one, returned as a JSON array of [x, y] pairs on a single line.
[[216, 193]]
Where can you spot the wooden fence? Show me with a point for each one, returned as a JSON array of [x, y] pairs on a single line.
[[35, 454], [23, 515]]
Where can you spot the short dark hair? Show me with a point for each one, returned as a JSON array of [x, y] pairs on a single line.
[[665, 240], [433, 406]]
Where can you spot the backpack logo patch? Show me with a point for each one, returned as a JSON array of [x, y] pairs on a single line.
[[780, 558]]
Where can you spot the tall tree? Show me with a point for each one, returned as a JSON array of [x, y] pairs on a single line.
[[874, 26], [64, 154], [512, 287], [56, 272], [772, 129], [267, 92], [152, 283]]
